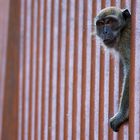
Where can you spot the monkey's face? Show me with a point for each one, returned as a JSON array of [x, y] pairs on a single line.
[[108, 29], [109, 23]]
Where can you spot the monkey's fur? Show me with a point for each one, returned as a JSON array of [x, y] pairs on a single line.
[[113, 26]]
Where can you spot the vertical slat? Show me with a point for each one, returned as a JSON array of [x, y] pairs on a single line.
[[92, 80], [71, 66], [11, 86], [23, 82], [134, 82], [67, 71], [101, 92], [133, 69], [79, 63], [88, 69], [61, 84], [42, 130], [4, 18], [75, 74], [101, 96], [48, 41], [40, 68], [31, 76], [123, 4], [51, 71], [26, 71], [97, 82], [20, 124], [44, 73], [34, 70], [58, 130], [83, 96], [37, 74], [55, 67]]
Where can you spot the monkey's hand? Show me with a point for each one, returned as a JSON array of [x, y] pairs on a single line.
[[117, 120]]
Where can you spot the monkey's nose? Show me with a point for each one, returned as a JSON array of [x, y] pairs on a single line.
[[105, 30]]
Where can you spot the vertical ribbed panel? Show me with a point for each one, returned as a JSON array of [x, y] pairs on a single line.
[[60, 84], [11, 78], [4, 8]]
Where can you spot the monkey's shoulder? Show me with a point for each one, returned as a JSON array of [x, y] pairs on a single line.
[[124, 44], [125, 36]]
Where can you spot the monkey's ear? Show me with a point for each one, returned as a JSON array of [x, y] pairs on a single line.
[[126, 14]]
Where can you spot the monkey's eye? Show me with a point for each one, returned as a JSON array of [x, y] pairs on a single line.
[[100, 23], [111, 21]]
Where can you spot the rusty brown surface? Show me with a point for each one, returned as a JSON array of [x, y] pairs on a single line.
[[134, 128], [4, 8], [59, 83], [10, 99]]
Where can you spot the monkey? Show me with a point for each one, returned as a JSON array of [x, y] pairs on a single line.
[[113, 27]]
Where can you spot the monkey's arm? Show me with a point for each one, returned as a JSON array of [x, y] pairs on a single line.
[[123, 112], [124, 103]]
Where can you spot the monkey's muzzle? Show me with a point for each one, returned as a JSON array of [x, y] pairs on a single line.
[[109, 41]]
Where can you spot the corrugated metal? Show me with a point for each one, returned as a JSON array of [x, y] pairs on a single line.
[[4, 8], [56, 82]]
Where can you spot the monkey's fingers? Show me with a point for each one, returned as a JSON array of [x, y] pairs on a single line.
[[114, 125], [116, 121]]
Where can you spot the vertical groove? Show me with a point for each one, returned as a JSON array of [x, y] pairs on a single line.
[[83, 96], [101, 90], [112, 2], [24, 70], [101, 95], [44, 74], [31, 76], [51, 72], [92, 80], [58, 131], [4, 18], [123, 4], [103, 4], [37, 73], [67, 72], [132, 73], [111, 92], [20, 124], [74, 116]]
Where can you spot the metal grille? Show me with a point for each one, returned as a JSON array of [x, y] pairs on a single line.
[[56, 82]]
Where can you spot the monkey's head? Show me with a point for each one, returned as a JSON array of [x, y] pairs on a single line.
[[109, 24]]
